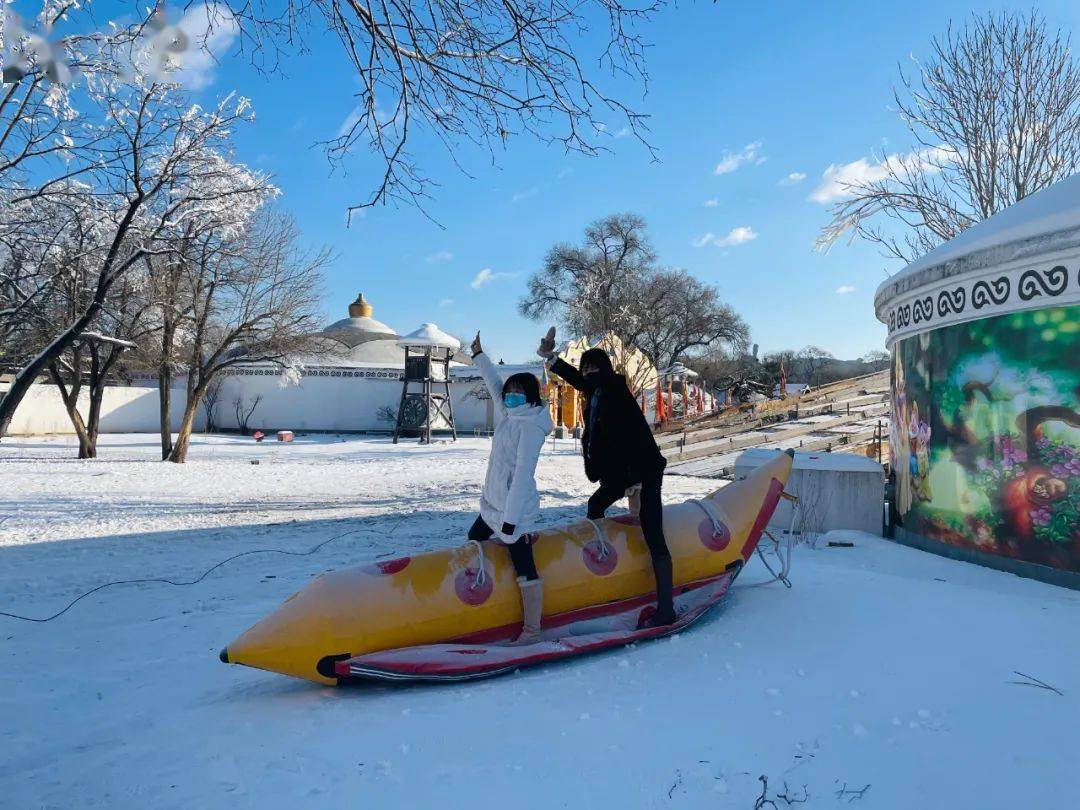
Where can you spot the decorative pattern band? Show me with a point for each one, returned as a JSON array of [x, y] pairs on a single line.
[[963, 300]]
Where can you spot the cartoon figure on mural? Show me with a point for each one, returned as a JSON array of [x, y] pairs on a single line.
[[910, 438], [899, 446], [919, 447]]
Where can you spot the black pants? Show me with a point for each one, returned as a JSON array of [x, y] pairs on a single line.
[[521, 553], [652, 510]]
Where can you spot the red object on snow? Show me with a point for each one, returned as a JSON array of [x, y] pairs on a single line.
[[285, 436], [258, 435], [576, 633]]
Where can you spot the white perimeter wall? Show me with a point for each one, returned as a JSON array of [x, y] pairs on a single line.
[[123, 410], [333, 403], [315, 404]]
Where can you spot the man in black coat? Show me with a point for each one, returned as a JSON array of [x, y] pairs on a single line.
[[620, 453]]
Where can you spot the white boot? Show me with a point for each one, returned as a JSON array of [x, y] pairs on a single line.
[[532, 607]]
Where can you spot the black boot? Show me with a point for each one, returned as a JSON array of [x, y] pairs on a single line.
[[665, 601]]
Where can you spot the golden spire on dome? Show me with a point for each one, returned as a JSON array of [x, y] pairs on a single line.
[[360, 308]]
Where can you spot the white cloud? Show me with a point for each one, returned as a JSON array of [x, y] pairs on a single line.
[[381, 115], [522, 195], [486, 276], [440, 256], [622, 133], [210, 29], [446, 302], [844, 289], [736, 236], [792, 179], [712, 203], [351, 120], [731, 161], [836, 180]]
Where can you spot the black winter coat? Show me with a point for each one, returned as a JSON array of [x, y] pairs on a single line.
[[617, 444]]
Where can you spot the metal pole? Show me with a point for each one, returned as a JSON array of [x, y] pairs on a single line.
[[450, 399], [427, 399], [404, 392]]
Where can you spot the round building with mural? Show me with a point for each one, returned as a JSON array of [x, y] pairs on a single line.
[[984, 334]]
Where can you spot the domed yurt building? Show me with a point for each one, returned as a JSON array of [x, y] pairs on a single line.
[[984, 333]]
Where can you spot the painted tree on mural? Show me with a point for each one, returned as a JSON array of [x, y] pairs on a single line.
[[993, 115]]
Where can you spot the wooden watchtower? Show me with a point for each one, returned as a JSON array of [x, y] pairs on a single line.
[[426, 404]]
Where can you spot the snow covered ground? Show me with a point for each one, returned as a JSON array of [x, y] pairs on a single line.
[[882, 667]]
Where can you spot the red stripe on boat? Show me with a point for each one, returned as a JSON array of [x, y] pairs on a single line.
[[768, 506]]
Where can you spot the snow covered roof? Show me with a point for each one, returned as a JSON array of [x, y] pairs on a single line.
[[430, 335], [679, 370], [1049, 211], [359, 327]]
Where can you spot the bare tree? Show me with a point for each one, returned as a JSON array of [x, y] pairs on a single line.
[[255, 299], [210, 401], [479, 71], [611, 285], [812, 359], [244, 410], [592, 288], [994, 115], [682, 316]]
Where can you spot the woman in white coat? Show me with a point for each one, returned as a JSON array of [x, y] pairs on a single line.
[[510, 503]]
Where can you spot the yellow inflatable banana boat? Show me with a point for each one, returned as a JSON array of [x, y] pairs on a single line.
[[440, 615]]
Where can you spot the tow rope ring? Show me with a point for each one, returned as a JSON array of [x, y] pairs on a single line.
[[605, 550], [481, 575], [718, 526]]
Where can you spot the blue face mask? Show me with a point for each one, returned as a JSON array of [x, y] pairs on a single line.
[[513, 400]]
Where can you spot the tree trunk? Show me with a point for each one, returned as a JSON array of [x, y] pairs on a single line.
[[39, 365], [71, 405], [195, 394], [165, 390], [99, 378], [93, 426], [187, 424]]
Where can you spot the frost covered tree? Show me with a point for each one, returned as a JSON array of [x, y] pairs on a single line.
[[141, 162], [254, 297], [460, 73], [93, 358], [612, 285], [993, 115]]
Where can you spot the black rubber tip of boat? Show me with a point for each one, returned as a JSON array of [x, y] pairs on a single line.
[[224, 655]]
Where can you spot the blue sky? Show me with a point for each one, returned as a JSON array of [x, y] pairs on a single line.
[[769, 90]]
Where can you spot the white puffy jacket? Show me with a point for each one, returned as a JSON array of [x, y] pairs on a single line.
[[510, 494]]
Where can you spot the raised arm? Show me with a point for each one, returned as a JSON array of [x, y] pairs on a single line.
[[557, 366], [493, 382], [563, 369]]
